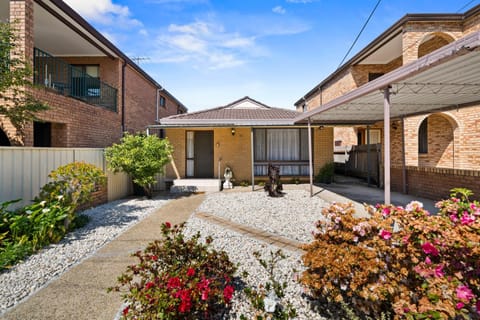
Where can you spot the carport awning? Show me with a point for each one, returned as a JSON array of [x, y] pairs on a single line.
[[446, 78]]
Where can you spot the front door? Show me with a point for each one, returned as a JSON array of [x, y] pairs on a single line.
[[203, 156]]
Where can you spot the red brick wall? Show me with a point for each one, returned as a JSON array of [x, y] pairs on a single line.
[[435, 183], [76, 123]]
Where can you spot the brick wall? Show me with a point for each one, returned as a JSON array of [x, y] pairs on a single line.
[[435, 183], [235, 151], [76, 123]]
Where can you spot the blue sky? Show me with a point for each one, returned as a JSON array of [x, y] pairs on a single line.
[[208, 53]]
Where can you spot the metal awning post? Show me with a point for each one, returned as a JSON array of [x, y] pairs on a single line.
[[386, 134], [368, 155], [252, 149], [310, 162]]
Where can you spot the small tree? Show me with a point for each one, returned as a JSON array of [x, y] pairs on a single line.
[[140, 156], [16, 102]]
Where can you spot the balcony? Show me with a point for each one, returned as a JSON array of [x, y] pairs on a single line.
[[72, 81]]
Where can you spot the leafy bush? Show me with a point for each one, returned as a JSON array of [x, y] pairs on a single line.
[[140, 156], [74, 183], [326, 173], [402, 260], [50, 216], [26, 230], [177, 278]]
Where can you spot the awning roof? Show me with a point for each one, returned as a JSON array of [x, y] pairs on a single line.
[[446, 78]]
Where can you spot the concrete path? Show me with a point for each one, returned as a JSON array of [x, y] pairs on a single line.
[[80, 293]]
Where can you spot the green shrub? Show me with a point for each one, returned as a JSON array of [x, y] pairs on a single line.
[[140, 156], [177, 278], [28, 229], [326, 173], [74, 184], [50, 216]]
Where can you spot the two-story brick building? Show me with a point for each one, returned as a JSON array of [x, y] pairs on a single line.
[[94, 91], [434, 131]]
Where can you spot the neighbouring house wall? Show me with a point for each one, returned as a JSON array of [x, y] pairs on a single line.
[[453, 140], [415, 33], [76, 123], [435, 183]]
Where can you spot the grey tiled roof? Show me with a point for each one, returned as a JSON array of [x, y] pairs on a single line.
[[245, 111]]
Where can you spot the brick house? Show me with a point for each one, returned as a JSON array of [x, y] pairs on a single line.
[[245, 135], [434, 129], [95, 92]]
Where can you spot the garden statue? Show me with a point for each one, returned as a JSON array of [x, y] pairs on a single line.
[[273, 186], [227, 175]]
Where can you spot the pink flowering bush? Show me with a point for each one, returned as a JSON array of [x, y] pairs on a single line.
[[402, 261], [177, 278]]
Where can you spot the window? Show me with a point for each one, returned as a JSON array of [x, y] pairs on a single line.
[[304, 107], [287, 148], [162, 102], [374, 75], [86, 80], [423, 137]]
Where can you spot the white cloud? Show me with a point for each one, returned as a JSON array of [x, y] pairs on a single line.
[[104, 12], [205, 44], [279, 10]]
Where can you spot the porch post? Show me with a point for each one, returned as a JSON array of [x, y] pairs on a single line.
[[386, 134], [310, 163], [252, 159], [404, 169], [368, 155]]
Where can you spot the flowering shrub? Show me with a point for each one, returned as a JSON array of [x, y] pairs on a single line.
[[401, 260], [177, 278]]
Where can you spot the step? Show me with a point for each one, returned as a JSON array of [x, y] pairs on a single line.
[[195, 185]]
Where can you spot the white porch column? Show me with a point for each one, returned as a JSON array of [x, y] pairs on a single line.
[[386, 135], [310, 162]]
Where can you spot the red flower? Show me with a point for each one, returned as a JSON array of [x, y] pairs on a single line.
[[168, 225], [429, 248], [154, 258], [173, 283], [125, 311], [464, 293], [190, 272], [385, 234], [228, 293], [149, 285], [186, 301]]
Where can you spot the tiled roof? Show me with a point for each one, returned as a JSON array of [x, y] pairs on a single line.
[[245, 111]]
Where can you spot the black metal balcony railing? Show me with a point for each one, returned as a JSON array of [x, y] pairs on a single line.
[[72, 81]]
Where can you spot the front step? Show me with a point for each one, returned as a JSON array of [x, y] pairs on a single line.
[[196, 185]]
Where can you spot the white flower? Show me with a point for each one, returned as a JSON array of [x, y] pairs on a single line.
[[412, 206], [43, 203], [46, 210], [28, 212]]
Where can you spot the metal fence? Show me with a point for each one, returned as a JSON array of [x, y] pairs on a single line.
[[24, 170], [72, 81]]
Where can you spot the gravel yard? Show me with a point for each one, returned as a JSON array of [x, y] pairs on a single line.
[[292, 216], [106, 222]]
